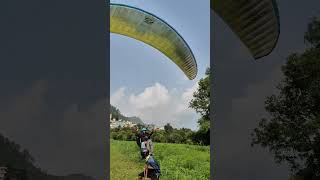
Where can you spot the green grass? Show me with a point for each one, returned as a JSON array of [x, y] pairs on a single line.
[[123, 165], [177, 161]]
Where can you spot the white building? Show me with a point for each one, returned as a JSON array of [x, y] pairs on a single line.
[[120, 123]]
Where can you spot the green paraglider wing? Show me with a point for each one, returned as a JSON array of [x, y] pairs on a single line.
[[256, 22], [150, 29]]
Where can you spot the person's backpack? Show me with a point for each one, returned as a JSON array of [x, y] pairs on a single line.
[[153, 163]]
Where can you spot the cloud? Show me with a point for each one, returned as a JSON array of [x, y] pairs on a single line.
[[186, 97], [188, 93], [151, 97], [115, 99], [158, 105]]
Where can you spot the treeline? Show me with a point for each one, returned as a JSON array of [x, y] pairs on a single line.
[[168, 135]]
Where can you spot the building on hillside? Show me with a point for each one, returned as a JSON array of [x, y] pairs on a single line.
[[129, 124], [116, 124], [159, 128], [120, 123]]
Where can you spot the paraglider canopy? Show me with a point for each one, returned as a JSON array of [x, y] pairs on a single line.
[[256, 22], [152, 30]]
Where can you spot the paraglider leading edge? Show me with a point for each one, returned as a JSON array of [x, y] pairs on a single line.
[[188, 67]]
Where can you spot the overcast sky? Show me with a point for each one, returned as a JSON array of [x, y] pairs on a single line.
[[144, 82], [241, 85]]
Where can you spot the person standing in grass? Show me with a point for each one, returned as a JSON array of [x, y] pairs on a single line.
[[146, 147], [144, 132], [151, 169], [144, 141]]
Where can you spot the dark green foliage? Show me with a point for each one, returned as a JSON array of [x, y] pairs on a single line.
[[168, 128], [201, 103], [201, 98], [115, 112], [170, 135], [13, 157], [313, 33], [293, 131], [20, 164], [124, 134]]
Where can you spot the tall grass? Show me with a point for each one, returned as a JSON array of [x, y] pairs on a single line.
[[177, 161], [123, 164]]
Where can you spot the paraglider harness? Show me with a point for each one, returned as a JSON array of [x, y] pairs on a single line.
[[155, 172]]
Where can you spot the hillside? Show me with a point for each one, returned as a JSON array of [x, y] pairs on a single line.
[[21, 163], [117, 114]]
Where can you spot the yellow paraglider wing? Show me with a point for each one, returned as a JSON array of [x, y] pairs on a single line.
[[256, 22], [148, 28]]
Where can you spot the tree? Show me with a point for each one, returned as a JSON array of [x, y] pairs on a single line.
[[159, 137], [201, 103], [168, 128], [292, 133]]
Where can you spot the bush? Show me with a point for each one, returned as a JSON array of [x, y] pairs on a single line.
[[170, 135]]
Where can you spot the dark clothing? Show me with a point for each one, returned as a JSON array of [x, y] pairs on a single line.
[[144, 155], [153, 168], [154, 164], [139, 139], [151, 174], [141, 135]]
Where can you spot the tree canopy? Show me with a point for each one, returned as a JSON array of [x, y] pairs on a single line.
[[201, 103], [292, 133]]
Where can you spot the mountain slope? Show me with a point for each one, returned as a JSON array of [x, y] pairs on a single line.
[[21, 164], [117, 114]]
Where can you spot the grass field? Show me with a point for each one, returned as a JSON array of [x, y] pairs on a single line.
[[177, 161]]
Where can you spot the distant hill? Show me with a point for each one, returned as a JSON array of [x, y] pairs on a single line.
[[117, 114], [135, 120], [21, 164]]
